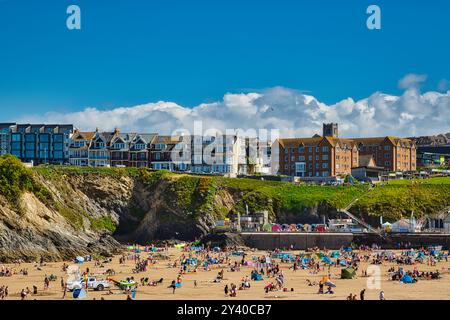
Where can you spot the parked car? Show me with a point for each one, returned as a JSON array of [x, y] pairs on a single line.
[[92, 283]]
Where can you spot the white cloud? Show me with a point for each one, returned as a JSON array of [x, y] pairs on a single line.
[[290, 111], [412, 80]]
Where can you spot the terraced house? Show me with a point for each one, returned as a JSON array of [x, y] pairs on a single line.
[[37, 143], [80, 142]]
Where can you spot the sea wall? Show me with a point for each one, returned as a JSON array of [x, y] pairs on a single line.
[[299, 241], [303, 241], [392, 241]]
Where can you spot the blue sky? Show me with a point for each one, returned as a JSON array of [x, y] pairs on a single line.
[[192, 52]]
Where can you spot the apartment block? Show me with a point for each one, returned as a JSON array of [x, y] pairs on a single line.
[[37, 143], [329, 155], [391, 153]]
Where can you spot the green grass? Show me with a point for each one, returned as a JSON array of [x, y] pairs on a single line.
[[399, 198], [15, 179], [433, 181], [104, 223], [198, 195]]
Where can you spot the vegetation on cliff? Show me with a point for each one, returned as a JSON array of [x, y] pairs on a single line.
[[197, 196], [15, 179], [400, 198]]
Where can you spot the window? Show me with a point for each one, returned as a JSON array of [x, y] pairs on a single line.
[[301, 158], [325, 149], [30, 138], [324, 165], [310, 158], [301, 149], [58, 138], [160, 146], [325, 157], [387, 148], [157, 156], [325, 174], [29, 146], [387, 163], [29, 154], [387, 155], [310, 149], [16, 137], [44, 138]]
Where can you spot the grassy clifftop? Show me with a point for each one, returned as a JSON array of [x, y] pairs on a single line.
[[197, 195]]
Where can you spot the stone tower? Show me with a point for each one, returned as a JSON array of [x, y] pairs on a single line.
[[330, 130]]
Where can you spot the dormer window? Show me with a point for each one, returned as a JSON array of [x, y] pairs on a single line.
[[139, 146], [160, 146]]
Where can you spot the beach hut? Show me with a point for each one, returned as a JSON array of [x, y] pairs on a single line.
[[348, 273], [299, 227], [276, 228], [292, 227], [285, 227], [306, 228], [267, 227]]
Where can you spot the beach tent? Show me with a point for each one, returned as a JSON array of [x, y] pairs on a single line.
[[180, 245], [276, 228], [407, 279], [79, 259], [343, 263], [217, 249], [348, 273], [327, 260], [335, 254], [267, 227]]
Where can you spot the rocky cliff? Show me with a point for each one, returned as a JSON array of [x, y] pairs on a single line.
[[59, 212]]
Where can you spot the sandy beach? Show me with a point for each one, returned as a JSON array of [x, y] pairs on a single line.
[[206, 289]]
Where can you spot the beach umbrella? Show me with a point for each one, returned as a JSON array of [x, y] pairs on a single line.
[[330, 284]]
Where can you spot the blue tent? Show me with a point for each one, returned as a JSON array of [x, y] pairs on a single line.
[[79, 294], [257, 277], [335, 254], [407, 279], [327, 260], [349, 249]]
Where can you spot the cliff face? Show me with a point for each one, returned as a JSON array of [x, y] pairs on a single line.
[[92, 211], [61, 212]]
